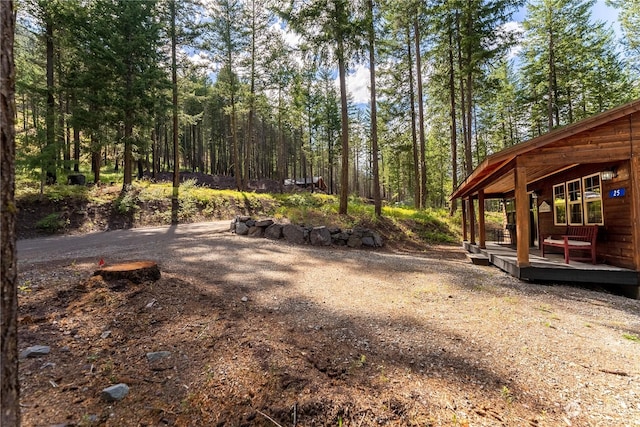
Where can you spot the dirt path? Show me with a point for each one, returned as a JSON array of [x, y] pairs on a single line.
[[310, 336]]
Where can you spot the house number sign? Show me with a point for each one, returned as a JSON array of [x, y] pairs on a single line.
[[618, 192]]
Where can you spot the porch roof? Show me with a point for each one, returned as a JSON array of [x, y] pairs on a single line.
[[548, 154]]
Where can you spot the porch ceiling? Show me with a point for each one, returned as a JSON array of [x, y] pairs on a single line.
[[503, 184], [552, 153]]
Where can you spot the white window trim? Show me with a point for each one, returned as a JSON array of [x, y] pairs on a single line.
[[555, 212], [571, 203], [585, 217]]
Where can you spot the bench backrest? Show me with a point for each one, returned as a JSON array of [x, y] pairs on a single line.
[[585, 232]]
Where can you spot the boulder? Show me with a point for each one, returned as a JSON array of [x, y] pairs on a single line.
[[320, 236], [250, 223], [354, 241], [264, 223], [255, 231], [293, 233], [273, 232], [368, 241], [242, 229]]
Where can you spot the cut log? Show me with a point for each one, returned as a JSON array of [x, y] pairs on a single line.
[[137, 272]]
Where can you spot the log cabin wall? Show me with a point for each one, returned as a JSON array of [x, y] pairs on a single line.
[[615, 238]]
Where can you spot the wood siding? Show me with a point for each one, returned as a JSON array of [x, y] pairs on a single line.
[[615, 244]]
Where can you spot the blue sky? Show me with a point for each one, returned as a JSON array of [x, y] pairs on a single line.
[[358, 79]]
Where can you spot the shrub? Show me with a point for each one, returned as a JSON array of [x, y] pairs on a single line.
[[53, 223]]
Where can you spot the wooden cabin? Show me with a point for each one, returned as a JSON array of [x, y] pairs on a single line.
[[584, 174]]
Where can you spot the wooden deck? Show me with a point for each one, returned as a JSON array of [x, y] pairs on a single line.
[[552, 268]]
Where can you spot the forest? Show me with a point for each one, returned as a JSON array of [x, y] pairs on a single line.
[[258, 89]]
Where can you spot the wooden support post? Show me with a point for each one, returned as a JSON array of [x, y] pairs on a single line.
[[481, 225], [522, 215], [472, 222], [464, 221]]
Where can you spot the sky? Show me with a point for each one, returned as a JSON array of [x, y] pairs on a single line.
[[358, 79]]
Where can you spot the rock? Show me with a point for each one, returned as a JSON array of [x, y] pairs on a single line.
[[354, 241], [293, 233], [273, 232], [242, 218], [115, 392], [368, 241], [320, 236], [250, 223], [242, 229], [35, 351], [157, 355], [264, 223], [341, 237], [334, 230], [377, 239], [244, 299], [105, 334], [255, 231], [232, 226]]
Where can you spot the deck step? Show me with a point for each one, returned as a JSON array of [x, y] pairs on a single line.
[[479, 259]]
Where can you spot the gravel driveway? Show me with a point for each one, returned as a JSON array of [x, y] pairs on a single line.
[[368, 337]]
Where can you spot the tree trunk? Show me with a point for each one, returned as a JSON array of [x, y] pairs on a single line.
[[414, 137], [76, 139], [377, 202], [9, 384], [344, 175], [454, 125], [423, 148], [174, 106], [50, 151]]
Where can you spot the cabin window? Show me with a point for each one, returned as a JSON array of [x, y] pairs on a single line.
[[574, 196], [559, 205], [592, 200]]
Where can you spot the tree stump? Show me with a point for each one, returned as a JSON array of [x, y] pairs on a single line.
[[137, 272]]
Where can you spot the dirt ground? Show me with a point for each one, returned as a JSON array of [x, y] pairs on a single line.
[[261, 333]]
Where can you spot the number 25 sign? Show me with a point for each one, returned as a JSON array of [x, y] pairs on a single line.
[[618, 192]]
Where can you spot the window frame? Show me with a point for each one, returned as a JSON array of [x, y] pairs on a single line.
[[585, 216], [555, 210], [578, 202]]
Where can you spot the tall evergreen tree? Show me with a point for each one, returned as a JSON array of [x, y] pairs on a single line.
[[131, 35], [9, 382], [571, 69], [329, 26]]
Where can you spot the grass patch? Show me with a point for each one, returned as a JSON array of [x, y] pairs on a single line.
[[631, 337], [149, 203], [52, 223]]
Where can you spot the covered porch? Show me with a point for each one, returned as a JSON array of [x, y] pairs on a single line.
[[552, 268], [585, 174]]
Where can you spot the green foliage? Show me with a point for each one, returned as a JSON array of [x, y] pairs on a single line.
[[127, 201], [631, 337], [53, 223]]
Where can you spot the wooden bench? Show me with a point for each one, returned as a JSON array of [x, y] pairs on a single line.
[[581, 238]]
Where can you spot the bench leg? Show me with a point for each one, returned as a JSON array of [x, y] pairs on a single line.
[[566, 255]]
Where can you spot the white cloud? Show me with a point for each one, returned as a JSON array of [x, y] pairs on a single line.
[[290, 38], [358, 84], [514, 27]]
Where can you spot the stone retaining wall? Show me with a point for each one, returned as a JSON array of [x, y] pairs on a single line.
[[299, 235]]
